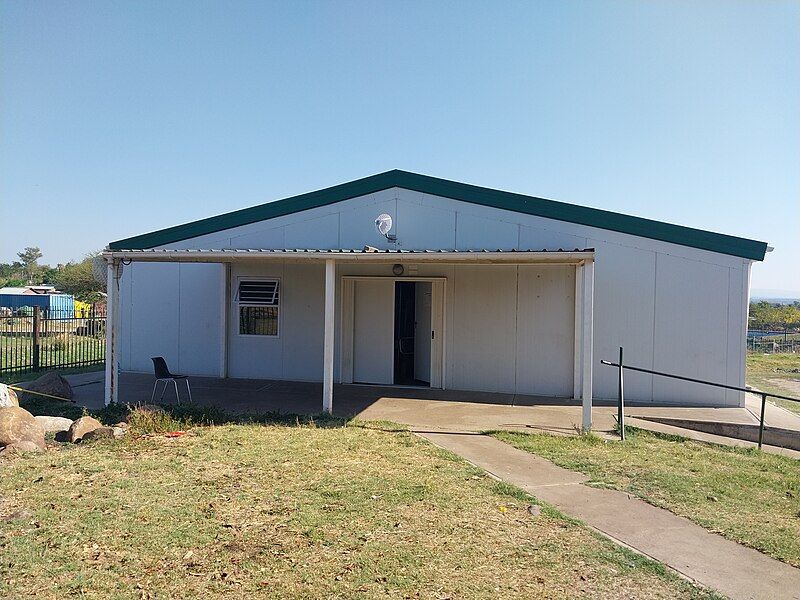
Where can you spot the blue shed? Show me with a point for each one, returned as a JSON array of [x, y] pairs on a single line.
[[56, 305]]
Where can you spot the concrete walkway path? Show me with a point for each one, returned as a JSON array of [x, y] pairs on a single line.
[[725, 566]]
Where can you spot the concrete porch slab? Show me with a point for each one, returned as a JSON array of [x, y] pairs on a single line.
[[422, 409]]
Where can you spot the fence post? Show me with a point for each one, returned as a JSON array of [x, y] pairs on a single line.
[[621, 408], [761, 425], [36, 325]]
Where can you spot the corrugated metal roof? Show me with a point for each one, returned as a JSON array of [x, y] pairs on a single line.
[[367, 254], [330, 251]]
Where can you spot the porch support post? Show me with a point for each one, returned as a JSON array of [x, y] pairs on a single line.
[[577, 368], [112, 331], [327, 369], [587, 341]]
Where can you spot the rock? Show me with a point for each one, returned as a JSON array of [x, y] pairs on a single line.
[[53, 384], [61, 436], [98, 434], [23, 446], [119, 431], [535, 510], [51, 424], [8, 397], [80, 427], [18, 425]]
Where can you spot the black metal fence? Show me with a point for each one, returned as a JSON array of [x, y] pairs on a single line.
[[773, 341], [42, 339], [621, 399]]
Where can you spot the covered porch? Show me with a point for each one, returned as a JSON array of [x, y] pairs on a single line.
[[332, 395]]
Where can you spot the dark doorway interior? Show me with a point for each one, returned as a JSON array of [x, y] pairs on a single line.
[[404, 333]]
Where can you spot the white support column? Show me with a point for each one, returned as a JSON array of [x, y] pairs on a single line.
[[112, 331], [327, 368], [577, 368], [587, 341], [224, 319]]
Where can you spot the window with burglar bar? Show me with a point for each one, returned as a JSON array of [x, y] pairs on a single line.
[[259, 305]]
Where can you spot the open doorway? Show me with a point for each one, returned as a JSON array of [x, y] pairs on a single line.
[[393, 331], [412, 333]]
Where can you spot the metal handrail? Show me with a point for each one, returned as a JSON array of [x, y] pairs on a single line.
[[621, 411]]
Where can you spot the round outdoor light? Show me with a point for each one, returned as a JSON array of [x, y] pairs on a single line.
[[398, 269]]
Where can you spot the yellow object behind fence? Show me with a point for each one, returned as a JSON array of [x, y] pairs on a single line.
[[82, 309]]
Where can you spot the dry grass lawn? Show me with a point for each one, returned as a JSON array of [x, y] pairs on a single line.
[[293, 512], [776, 373]]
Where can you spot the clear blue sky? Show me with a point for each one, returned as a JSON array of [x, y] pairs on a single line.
[[120, 118]]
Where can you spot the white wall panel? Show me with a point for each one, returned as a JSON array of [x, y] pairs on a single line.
[[125, 316], [483, 324], [155, 315], [624, 303], [303, 306], [322, 232], [737, 333], [266, 238], [421, 227], [200, 298], [477, 233], [534, 238], [545, 330], [691, 329]]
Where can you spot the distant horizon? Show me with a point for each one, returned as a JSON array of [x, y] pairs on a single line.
[[767, 294]]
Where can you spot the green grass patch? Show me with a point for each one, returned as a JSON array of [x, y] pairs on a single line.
[[746, 495], [314, 509]]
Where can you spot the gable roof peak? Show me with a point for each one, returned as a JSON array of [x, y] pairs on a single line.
[[530, 205]]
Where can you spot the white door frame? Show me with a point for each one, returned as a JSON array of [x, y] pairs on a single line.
[[348, 321]]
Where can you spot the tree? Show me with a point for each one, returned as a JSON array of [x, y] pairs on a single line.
[[29, 259], [78, 279]]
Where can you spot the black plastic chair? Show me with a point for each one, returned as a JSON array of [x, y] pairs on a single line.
[[163, 374]]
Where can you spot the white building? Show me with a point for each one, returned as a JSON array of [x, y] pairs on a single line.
[[481, 290]]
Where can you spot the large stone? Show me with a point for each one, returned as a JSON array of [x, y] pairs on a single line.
[[53, 384], [51, 424], [18, 425], [98, 434], [21, 448], [8, 397], [80, 427]]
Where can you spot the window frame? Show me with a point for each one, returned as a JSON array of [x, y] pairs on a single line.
[[240, 304]]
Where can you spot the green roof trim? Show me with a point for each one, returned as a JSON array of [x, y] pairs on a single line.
[[530, 205]]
